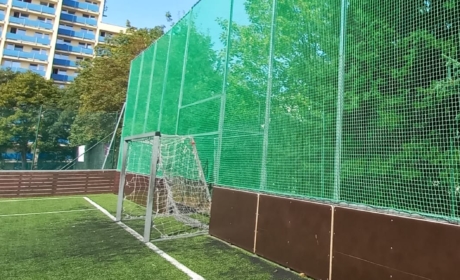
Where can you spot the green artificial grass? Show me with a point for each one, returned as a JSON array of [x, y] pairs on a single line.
[[77, 245], [87, 245]]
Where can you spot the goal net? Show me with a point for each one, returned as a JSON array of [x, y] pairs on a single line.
[[163, 188]]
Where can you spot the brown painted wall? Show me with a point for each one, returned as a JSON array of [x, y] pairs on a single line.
[[53, 183], [366, 245], [295, 234], [233, 218], [371, 245]]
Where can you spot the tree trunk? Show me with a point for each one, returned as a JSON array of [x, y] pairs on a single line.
[[24, 158]]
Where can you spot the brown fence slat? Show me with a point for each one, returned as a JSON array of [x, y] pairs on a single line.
[[417, 247], [48, 183], [233, 217], [295, 234]]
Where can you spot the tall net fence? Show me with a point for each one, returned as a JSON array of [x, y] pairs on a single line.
[[274, 106]]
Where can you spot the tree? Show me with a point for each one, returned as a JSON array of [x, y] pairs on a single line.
[[102, 81], [21, 96]]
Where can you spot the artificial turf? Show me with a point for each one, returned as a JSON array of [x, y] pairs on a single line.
[[75, 241]]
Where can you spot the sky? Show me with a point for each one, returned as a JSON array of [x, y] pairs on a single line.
[[145, 13]]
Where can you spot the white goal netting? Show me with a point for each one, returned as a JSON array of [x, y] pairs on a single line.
[[181, 199]]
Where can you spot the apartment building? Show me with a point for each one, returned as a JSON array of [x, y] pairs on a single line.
[[49, 37]]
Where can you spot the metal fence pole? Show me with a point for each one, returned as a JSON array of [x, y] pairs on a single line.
[[121, 185], [137, 93], [223, 99], [147, 107], [340, 100], [165, 80], [152, 185], [114, 134], [263, 176], [184, 69]]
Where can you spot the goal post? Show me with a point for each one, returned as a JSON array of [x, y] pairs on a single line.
[[162, 187]]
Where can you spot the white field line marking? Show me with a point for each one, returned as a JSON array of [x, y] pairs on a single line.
[[44, 213], [38, 199], [178, 265]]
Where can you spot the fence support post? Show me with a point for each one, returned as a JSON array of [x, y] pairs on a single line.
[[263, 175], [139, 79], [184, 69], [223, 99], [165, 80], [147, 107], [340, 99]]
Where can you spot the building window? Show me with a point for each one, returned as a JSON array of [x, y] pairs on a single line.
[[61, 56], [20, 15], [11, 64], [36, 67], [26, 1], [15, 30], [69, 12], [18, 48], [51, 5], [59, 71], [43, 19]]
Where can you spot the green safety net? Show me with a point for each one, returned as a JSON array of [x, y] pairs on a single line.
[[273, 107]]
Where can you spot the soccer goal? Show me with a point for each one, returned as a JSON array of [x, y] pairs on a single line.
[[162, 186]]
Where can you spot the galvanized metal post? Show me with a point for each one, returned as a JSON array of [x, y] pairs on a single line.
[[184, 68], [114, 133], [152, 185], [147, 109], [139, 79], [263, 175], [121, 185], [223, 99], [340, 100], [165, 80]]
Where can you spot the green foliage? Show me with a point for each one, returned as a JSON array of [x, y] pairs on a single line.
[[102, 81], [21, 97]]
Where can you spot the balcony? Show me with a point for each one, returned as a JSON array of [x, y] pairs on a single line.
[[101, 39], [23, 70], [76, 19], [32, 39], [34, 7], [81, 6], [3, 2], [2, 17], [26, 55], [62, 78], [74, 49], [33, 23], [76, 34], [64, 62]]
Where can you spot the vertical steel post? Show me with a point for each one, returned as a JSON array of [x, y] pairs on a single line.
[[147, 107], [223, 99], [121, 185], [263, 175], [165, 80], [184, 68], [139, 79], [114, 134], [340, 100], [152, 185]]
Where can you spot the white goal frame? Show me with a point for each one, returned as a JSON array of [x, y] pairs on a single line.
[[152, 182]]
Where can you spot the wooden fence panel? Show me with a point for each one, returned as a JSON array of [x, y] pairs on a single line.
[[50, 183]]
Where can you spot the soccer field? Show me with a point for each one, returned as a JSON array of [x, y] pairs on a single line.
[[69, 238]]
